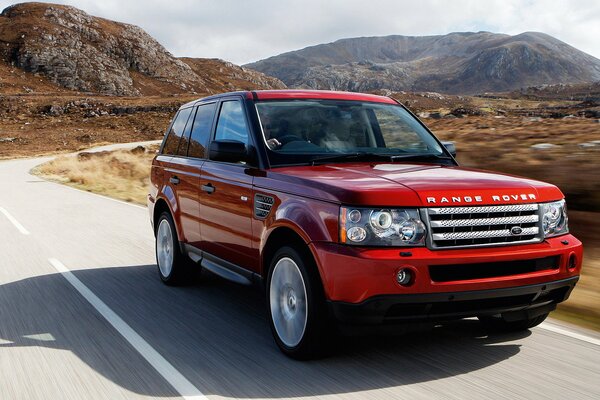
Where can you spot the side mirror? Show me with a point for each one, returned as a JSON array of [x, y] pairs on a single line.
[[451, 147], [232, 151]]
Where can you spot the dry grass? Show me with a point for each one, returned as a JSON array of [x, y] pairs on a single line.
[[122, 174]]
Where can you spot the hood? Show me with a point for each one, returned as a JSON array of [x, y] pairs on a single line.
[[415, 185]]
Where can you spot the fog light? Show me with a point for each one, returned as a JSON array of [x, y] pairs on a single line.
[[572, 262], [404, 276]]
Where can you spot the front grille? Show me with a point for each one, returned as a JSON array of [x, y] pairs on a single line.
[[452, 227], [462, 272]]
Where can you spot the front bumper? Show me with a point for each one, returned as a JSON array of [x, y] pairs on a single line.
[[516, 302], [354, 275]]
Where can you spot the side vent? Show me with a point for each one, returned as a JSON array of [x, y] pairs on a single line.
[[262, 205]]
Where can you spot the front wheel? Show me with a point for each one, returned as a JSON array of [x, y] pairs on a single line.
[[296, 304], [497, 323]]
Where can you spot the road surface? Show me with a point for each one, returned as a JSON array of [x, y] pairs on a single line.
[[83, 315]]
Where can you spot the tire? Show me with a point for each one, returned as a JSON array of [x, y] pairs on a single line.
[[498, 324], [174, 267], [296, 304]]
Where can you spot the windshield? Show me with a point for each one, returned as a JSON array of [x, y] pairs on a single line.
[[310, 131]]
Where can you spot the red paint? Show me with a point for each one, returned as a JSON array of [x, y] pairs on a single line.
[[354, 274], [383, 184], [321, 94]]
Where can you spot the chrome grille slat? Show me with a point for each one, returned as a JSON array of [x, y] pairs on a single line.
[[448, 223], [482, 209], [474, 226], [483, 234]]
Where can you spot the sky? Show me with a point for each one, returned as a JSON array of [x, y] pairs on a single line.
[[249, 30]]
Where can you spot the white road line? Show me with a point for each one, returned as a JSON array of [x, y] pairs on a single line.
[[184, 387], [16, 223], [567, 332]]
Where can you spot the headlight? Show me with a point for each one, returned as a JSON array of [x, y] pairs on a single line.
[[554, 218], [381, 227]]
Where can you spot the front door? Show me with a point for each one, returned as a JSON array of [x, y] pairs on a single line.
[[226, 195]]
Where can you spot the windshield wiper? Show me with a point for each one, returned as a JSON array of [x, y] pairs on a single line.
[[404, 157], [359, 156], [367, 156]]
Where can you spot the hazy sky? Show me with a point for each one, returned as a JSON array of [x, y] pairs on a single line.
[[248, 30]]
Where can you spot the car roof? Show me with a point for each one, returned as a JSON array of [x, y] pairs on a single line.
[[299, 94], [320, 94]]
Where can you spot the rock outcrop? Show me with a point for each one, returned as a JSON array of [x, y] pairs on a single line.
[[89, 54]]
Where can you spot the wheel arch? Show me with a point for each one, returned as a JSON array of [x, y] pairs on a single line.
[[287, 235], [161, 205]]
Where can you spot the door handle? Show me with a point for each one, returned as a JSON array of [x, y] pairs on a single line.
[[208, 188], [174, 180]]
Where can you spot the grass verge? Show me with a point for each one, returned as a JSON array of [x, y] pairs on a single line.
[[121, 174]]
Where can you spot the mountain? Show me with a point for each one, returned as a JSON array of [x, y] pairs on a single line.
[[222, 75], [464, 63], [81, 52]]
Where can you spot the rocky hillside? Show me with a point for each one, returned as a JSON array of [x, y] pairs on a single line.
[[455, 63], [81, 52], [222, 75]]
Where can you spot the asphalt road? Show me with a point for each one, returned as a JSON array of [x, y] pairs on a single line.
[[83, 315]]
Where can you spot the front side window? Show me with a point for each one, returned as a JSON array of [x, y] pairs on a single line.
[[232, 123], [174, 135], [305, 131], [201, 130]]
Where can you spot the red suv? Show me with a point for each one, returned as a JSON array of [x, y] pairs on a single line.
[[345, 208]]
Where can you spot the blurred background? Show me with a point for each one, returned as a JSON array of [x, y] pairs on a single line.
[[524, 103]]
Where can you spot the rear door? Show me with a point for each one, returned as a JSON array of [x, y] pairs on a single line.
[[226, 194], [195, 145], [181, 175]]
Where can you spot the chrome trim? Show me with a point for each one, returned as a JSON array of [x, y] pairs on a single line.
[[482, 209], [534, 230], [263, 205], [450, 223]]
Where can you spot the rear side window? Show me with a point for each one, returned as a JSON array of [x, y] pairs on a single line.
[[173, 137], [232, 123], [201, 130]]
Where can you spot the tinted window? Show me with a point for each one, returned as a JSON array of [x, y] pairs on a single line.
[[173, 137], [201, 130], [185, 138], [232, 123]]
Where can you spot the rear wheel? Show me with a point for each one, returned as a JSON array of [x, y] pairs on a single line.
[[296, 304], [497, 323], [174, 267]]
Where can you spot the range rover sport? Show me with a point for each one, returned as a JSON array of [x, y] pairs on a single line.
[[344, 208]]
